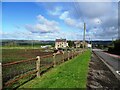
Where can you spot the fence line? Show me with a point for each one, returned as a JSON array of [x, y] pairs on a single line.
[[24, 68], [16, 79], [17, 62], [0, 76]]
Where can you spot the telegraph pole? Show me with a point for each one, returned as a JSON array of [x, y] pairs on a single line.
[[84, 35]]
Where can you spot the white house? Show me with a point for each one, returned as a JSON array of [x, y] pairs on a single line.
[[61, 43], [89, 45], [77, 44]]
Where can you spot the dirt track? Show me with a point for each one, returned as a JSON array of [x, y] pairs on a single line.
[[100, 76]]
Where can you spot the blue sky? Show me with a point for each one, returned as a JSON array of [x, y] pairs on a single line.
[[52, 20]]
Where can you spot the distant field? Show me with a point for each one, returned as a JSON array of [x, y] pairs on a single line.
[[21, 47], [9, 55]]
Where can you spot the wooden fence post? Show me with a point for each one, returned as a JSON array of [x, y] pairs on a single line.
[[38, 66], [54, 61], [0, 76]]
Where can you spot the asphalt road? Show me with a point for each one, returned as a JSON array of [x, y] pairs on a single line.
[[112, 61]]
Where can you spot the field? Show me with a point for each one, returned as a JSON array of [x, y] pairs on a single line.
[[20, 62], [71, 74], [10, 55], [13, 55]]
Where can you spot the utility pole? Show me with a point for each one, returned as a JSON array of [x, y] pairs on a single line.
[[112, 41], [84, 35]]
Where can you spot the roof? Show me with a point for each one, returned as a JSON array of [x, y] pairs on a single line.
[[60, 40], [77, 42]]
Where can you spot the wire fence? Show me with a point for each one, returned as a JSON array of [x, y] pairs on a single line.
[[16, 73]]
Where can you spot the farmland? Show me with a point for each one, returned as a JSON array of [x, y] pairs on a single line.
[[13, 55], [10, 55]]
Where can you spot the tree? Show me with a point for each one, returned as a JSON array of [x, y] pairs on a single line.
[[71, 43]]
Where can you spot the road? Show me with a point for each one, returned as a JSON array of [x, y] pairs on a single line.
[[114, 62]]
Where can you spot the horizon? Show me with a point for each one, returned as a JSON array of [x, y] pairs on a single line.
[[52, 40]]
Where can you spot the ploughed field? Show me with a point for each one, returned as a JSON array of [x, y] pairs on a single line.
[[10, 72], [11, 55]]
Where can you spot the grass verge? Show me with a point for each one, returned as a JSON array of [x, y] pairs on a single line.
[[71, 74]]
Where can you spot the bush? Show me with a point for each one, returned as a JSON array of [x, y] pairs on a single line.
[[110, 48]]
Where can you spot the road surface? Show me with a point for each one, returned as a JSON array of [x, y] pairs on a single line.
[[114, 62]]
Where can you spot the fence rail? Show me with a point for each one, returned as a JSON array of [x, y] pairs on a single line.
[[15, 71], [18, 62]]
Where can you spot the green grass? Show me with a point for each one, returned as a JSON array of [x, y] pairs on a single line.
[[71, 74]]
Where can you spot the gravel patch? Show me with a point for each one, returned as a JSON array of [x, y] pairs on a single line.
[[99, 76]]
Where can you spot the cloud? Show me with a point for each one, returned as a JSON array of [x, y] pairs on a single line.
[[70, 22], [103, 33], [64, 15], [101, 21], [28, 35], [98, 16], [66, 18], [56, 11], [91, 9], [43, 26]]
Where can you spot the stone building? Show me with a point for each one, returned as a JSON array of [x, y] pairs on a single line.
[[61, 43]]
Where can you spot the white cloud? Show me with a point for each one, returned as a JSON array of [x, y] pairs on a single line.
[[64, 15], [43, 26], [28, 35], [70, 21], [56, 11], [100, 18]]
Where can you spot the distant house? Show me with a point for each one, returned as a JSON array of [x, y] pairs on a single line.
[[89, 45], [86, 44], [61, 43], [77, 44]]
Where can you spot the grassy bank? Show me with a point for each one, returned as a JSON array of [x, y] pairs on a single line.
[[71, 74]]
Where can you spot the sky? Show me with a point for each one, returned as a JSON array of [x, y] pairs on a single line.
[[53, 20]]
